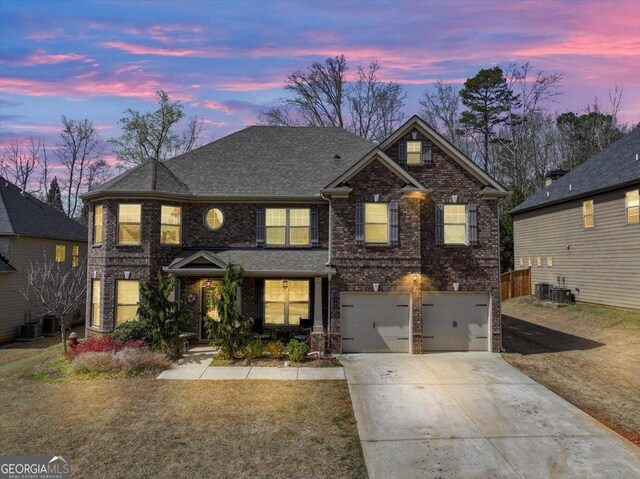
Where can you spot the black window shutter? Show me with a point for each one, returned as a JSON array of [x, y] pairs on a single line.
[[393, 222], [402, 152], [472, 220], [260, 229], [259, 316], [359, 223], [426, 152], [439, 224], [315, 239]]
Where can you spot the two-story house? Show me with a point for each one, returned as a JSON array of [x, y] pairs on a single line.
[[582, 231], [389, 247], [31, 232]]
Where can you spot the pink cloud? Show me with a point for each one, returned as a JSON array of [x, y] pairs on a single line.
[[89, 85], [41, 35], [135, 49], [40, 57], [248, 84], [215, 124], [213, 105]]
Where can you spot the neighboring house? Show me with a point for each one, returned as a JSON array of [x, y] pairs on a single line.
[[365, 242], [30, 229], [582, 231]]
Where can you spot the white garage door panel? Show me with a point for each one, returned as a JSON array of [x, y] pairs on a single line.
[[375, 322], [455, 321]]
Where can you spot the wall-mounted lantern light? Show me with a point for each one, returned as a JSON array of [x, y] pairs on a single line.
[[415, 278], [207, 283], [285, 283]]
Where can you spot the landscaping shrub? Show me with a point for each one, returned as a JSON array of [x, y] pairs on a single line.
[[128, 360], [135, 330], [253, 349], [98, 344], [275, 349], [297, 350]]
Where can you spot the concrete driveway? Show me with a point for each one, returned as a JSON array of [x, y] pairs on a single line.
[[472, 415]]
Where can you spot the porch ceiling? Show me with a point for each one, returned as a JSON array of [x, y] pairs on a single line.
[[267, 262]]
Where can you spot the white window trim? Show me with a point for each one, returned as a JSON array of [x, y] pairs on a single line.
[[118, 223], [93, 237], [286, 304], [287, 227], [585, 215], [466, 224], [419, 152], [179, 225], [627, 207], [365, 223]]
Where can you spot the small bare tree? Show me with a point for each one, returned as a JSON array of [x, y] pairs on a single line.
[[56, 288], [20, 162]]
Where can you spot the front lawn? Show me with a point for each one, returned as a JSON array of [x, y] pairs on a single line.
[[179, 429], [589, 355]]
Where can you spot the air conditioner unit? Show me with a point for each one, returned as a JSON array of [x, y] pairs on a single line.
[[561, 295], [543, 290], [32, 330]]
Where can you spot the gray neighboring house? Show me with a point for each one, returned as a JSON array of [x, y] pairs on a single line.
[[582, 231], [29, 228]]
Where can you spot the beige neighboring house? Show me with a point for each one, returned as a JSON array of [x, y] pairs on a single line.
[[29, 228], [582, 231]]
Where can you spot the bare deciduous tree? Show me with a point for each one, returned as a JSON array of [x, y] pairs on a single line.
[[79, 147], [322, 96], [153, 135], [56, 288], [20, 162], [375, 107]]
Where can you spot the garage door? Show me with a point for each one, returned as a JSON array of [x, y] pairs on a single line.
[[455, 321], [375, 322]]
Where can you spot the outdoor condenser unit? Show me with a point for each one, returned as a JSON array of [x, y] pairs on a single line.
[[543, 290], [561, 295]]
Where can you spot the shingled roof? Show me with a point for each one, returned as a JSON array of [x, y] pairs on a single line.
[[615, 166], [259, 161], [23, 214]]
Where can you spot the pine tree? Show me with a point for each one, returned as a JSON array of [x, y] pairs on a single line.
[[54, 196], [488, 99]]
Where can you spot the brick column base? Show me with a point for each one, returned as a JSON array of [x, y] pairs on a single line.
[[318, 342]]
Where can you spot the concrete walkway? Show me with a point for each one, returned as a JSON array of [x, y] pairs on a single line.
[[460, 415], [195, 365]]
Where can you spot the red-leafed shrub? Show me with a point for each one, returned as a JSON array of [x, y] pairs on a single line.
[[102, 344]]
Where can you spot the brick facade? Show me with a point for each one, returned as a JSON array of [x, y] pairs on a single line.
[[414, 265]]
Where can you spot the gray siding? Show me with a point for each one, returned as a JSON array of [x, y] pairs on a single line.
[[21, 251], [603, 262]]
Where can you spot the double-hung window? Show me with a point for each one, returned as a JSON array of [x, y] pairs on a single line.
[[97, 224], [414, 152], [376, 223], [75, 256], [170, 222], [588, 220], [95, 302], [61, 253], [129, 229], [287, 226], [285, 301], [632, 205], [127, 298], [455, 224]]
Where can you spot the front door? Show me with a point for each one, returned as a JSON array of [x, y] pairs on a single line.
[[208, 308]]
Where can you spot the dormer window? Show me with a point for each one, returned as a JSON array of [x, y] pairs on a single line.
[[414, 152]]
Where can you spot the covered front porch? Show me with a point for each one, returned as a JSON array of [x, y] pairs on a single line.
[[284, 291]]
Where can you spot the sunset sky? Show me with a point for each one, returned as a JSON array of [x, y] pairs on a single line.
[[227, 60]]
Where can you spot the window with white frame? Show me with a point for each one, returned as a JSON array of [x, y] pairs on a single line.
[[455, 224], [170, 224], [127, 298], [95, 302], [129, 228], [97, 224], [61, 253], [414, 152], [549, 261], [75, 256], [286, 301], [376, 223], [588, 220], [632, 205], [287, 226]]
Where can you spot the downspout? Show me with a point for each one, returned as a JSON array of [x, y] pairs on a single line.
[[328, 200]]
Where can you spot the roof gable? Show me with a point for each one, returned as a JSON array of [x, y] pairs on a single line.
[[615, 166], [24, 214], [374, 155], [418, 123], [199, 259]]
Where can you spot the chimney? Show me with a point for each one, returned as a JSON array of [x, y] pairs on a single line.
[[553, 175]]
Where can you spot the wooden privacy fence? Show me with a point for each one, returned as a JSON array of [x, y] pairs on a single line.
[[515, 283]]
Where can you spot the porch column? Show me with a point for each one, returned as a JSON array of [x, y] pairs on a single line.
[[317, 335], [317, 307]]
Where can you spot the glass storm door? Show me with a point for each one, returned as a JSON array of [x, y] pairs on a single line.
[[209, 295]]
